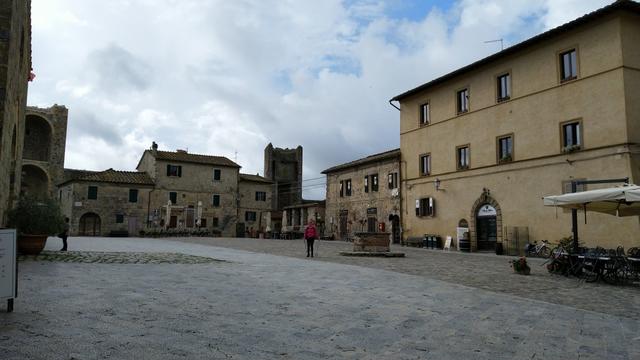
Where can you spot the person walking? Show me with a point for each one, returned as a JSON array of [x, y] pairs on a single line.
[[65, 234], [310, 234]]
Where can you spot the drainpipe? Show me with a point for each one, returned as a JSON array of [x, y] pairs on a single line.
[[149, 208]]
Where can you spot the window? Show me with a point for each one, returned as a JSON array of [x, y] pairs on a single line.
[[216, 200], [568, 65], [462, 101], [505, 149], [261, 196], [462, 157], [216, 174], [341, 188], [214, 222], [425, 207], [348, 187], [366, 184], [92, 193], [566, 186], [133, 195], [374, 182], [119, 218], [250, 216], [424, 114], [504, 87], [173, 197], [174, 170], [393, 180], [571, 136], [425, 164]]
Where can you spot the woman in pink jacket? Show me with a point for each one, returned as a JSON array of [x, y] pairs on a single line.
[[310, 234]]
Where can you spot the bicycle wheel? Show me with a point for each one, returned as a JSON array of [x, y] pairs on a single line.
[[545, 252]]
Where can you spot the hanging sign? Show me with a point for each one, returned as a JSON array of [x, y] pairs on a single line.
[[487, 210], [7, 264]]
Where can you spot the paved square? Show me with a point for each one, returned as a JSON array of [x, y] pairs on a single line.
[[257, 305]]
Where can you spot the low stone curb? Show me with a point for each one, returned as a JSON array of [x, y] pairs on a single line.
[[372, 254]]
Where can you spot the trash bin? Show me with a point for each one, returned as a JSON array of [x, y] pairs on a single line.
[[425, 241], [499, 248], [437, 242]]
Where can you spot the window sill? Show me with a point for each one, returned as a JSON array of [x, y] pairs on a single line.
[[569, 79], [462, 112], [425, 124], [463, 168], [571, 149], [505, 99]]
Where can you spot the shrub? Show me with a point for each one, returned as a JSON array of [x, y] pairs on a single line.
[[36, 217]]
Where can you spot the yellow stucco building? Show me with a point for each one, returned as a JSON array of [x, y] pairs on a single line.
[[482, 145]]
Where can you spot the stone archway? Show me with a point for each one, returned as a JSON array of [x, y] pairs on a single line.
[[38, 135], [484, 199], [35, 182]]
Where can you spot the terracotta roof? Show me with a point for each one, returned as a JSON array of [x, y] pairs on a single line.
[[625, 5], [180, 156], [109, 176], [395, 153], [255, 178]]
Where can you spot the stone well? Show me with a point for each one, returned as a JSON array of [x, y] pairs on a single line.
[[371, 242]]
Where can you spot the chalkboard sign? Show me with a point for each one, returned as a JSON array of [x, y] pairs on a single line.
[[8, 266]]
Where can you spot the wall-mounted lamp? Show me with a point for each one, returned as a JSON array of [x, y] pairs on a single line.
[[437, 184]]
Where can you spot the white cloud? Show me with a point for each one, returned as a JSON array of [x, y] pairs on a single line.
[[222, 77]]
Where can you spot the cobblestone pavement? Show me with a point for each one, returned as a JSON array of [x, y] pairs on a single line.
[[478, 270], [255, 305], [101, 257]]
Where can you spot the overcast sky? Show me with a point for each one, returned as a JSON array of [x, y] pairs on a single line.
[[224, 76]]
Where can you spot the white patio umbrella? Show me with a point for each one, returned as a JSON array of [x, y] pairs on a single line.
[[199, 213], [618, 201]]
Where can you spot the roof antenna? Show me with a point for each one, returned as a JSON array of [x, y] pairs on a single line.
[[501, 41], [235, 156]]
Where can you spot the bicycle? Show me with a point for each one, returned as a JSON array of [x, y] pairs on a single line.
[[540, 250]]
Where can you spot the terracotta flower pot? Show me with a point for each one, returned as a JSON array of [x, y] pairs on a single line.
[[31, 244]]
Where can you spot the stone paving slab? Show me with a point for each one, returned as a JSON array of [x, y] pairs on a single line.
[[262, 306]]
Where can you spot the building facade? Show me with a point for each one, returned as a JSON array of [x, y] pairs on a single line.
[[296, 217], [103, 203], [45, 137], [255, 199], [192, 190], [15, 67], [364, 195], [482, 145]]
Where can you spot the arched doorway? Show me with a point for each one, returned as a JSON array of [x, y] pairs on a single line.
[[37, 138], [486, 228], [395, 228], [35, 182], [89, 225], [485, 223]]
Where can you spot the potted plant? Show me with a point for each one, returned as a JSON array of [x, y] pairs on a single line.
[[35, 220]]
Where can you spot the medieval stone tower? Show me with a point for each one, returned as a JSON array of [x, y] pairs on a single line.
[[284, 168], [45, 136]]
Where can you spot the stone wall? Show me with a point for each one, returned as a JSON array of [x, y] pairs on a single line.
[[15, 64], [44, 148], [248, 202], [112, 201], [385, 201]]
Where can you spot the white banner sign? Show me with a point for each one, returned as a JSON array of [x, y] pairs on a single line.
[[7, 264]]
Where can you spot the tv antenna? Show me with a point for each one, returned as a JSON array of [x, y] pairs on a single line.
[[235, 156], [501, 41]]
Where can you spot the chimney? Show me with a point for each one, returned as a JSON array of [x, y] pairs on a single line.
[[154, 148]]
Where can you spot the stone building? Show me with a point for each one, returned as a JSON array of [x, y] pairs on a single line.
[[296, 217], [45, 137], [254, 210], [102, 203], [15, 67], [483, 144], [192, 190], [363, 195]]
